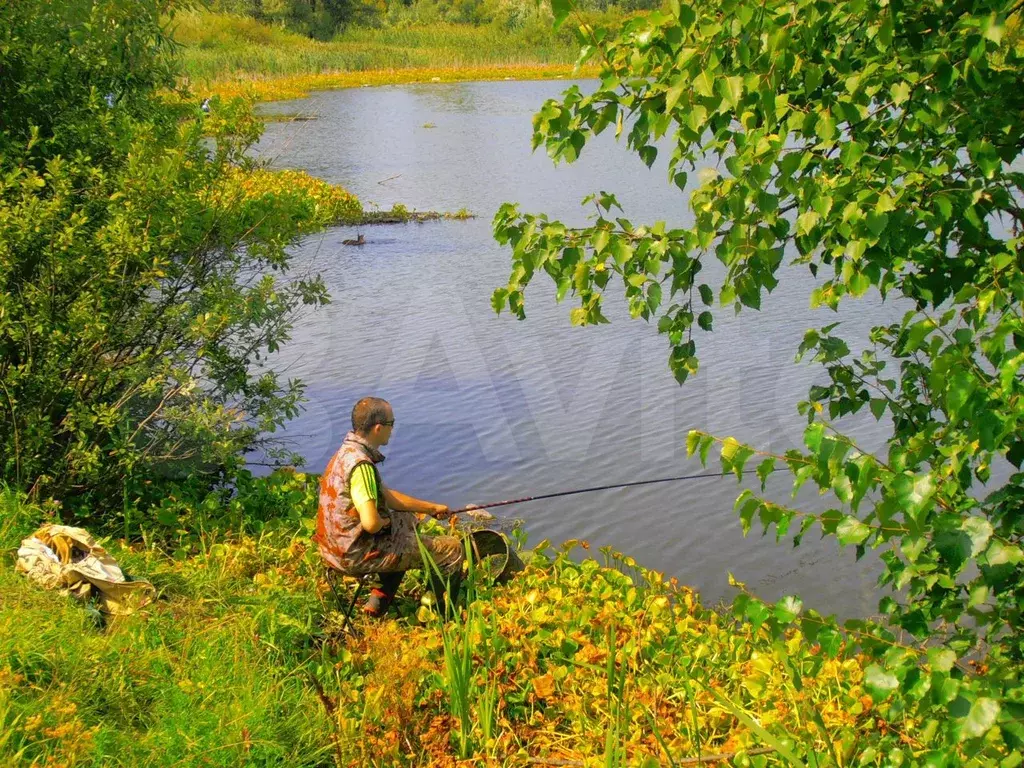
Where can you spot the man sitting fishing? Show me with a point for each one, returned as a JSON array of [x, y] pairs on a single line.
[[364, 527]]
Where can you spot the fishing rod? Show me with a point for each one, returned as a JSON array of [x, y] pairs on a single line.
[[476, 507]]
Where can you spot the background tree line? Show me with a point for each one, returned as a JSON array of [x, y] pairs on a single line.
[[324, 18]]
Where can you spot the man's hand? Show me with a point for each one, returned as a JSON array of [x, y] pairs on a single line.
[[440, 511]]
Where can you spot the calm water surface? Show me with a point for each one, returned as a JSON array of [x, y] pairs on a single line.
[[488, 407]]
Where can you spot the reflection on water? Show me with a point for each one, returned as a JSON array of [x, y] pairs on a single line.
[[489, 408]]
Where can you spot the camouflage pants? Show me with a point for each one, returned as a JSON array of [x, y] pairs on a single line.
[[395, 549]]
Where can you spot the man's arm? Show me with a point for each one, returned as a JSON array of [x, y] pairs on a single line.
[[364, 491], [402, 503], [369, 519]]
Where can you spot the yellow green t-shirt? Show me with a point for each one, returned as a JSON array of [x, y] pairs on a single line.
[[362, 486]]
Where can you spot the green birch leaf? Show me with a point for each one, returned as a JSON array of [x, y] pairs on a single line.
[[621, 251], [705, 448], [877, 406], [825, 127], [788, 608], [729, 448], [961, 386], [757, 613], [877, 222], [696, 117], [979, 531], [498, 299], [831, 641], [731, 90], [806, 221], [852, 531], [914, 493], [981, 718], [560, 10], [734, 456], [564, 283], [704, 84], [999, 553], [941, 659], [672, 94], [813, 435], [879, 682], [765, 469], [900, 92], [747, 512], [984, 154], [979, 595], [805, 526], [842, 488]]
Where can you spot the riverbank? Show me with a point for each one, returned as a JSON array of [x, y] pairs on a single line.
[[258, 88], [231, 56], [242, 660]]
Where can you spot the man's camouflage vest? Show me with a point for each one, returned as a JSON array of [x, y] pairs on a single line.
[[337, 521]]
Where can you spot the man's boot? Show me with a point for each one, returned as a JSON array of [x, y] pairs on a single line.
[[380, 599]]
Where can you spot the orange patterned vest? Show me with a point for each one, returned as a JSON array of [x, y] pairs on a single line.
[[337, 521]]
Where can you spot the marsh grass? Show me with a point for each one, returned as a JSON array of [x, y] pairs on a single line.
[[217, 45], [284, 87], [227, 55]]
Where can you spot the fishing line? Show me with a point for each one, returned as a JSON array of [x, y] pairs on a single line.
[[469, 510]]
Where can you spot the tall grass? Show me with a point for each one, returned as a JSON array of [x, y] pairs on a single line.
[[457, 638], [207, 674], [217, 46], [618, 711], [18, 519]]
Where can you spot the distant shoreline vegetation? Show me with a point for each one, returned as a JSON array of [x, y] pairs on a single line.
[[231, 55], [287, 87]]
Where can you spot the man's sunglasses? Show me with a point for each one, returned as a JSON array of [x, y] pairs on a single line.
[[387, 423]]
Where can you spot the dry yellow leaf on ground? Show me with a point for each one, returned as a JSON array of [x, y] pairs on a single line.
[[544, 686]]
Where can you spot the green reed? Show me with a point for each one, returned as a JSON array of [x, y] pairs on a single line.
[[216, 45]]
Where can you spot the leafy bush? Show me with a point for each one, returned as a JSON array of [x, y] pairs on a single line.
[[143, 279], [283, 500], [881, 143]]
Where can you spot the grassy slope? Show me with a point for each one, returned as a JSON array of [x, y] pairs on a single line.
[[221, 670], [232, 55]]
